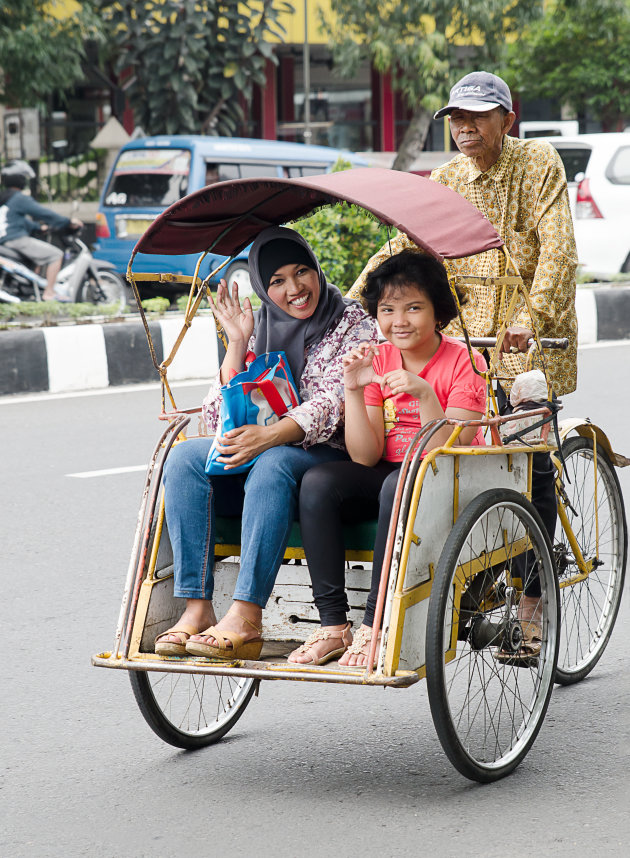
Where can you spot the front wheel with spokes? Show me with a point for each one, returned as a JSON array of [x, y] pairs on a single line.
[[589, 600], [488, 700], [190, 710]]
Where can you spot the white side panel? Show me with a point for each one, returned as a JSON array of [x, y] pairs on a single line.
[[412, 655], [77, 359], [433, 521], [197, 354], [479, 473]]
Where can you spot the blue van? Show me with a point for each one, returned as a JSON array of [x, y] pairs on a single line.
[[151, 173]]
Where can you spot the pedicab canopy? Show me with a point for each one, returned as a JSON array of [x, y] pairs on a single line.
[[225, 217]]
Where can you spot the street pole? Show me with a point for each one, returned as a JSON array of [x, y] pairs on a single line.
[[306, 60]]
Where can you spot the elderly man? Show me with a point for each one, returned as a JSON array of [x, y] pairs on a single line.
[[520, 186]]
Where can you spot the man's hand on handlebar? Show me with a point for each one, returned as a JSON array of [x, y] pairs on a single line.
[[516, 339]]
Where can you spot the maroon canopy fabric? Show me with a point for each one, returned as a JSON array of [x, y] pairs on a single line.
[[227, 216]]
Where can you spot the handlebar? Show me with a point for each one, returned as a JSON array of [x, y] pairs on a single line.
[[546, 342]]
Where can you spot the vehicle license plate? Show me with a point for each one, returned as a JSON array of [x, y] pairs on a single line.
[[128, 227]]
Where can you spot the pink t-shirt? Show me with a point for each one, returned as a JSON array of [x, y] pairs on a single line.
[[451, 376]]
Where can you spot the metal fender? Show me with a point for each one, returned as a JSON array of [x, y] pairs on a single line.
[[584, 427]]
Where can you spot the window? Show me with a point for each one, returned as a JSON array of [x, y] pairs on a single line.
[[149, 177], [254, 171], [575, 160], [618, 171], [295, 171], [228, 172]]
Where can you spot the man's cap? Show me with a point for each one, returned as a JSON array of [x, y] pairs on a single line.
[[478, 91]]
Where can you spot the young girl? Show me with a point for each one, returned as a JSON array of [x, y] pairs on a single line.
[[391, 390]]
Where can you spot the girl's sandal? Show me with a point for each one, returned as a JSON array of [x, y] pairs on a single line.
[[246, 650], [360, 646], [323, 634]]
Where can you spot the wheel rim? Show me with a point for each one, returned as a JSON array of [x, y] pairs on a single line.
[[496, 707], [240, 277], [108, 290], [589, 607], [196, 705]]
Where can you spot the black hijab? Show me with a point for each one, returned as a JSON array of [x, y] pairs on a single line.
[[275, 329]]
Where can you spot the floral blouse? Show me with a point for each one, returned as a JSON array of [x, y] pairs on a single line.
[[321, 412]]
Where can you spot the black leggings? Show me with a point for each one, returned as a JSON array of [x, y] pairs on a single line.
[[332, 495]]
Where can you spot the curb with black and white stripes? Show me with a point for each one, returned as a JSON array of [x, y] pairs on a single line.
[[91, 356]]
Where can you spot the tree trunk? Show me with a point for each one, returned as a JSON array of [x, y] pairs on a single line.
[[413, 141]]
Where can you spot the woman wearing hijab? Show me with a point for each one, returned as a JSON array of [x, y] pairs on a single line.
[[307, 318]]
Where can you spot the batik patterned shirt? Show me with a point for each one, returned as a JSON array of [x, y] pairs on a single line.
[[321, 411], [524, 195]]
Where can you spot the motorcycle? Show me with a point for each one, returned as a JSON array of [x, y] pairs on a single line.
[[82, 278]]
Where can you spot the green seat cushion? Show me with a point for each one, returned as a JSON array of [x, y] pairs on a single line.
[[356, 537]]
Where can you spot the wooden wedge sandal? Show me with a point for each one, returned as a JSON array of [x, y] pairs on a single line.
[[183, 632], [231, 645]]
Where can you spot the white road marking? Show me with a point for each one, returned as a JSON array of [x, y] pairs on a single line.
[[83, 475]]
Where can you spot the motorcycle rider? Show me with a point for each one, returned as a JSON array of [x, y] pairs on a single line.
[[20, 216]]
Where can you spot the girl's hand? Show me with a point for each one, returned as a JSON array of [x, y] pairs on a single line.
[[401, 381], [237, 321], [239, 446], [358, 371]]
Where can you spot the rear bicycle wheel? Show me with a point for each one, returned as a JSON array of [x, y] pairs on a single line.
[[487, 704], [589, 606], [190, 710]]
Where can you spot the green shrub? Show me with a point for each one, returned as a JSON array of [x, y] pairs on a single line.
[[74, 178], [343, 238], [182, 300], [48, 312], [156, 305]]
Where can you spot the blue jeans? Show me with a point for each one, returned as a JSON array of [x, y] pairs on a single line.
[[265, 498]]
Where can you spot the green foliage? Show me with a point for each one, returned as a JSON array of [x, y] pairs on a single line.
[[157, 305], [52, 312], [74, 178], [182, 301], [190, 61], [40, 53], [579, 54], [343, 238], [416, 40]]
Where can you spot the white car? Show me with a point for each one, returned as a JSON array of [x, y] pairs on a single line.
[[598, 175]]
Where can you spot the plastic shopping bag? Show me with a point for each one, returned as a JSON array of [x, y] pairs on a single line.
[[260, 395]]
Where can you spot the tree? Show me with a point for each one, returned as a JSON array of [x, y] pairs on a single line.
[[188, 62], [579, 54], [342, 238], [416, 41], [41, 50]]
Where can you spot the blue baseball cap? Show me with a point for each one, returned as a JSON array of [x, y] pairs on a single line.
[[478, 91]]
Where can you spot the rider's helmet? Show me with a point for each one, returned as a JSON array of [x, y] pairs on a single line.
[[15, 174]]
